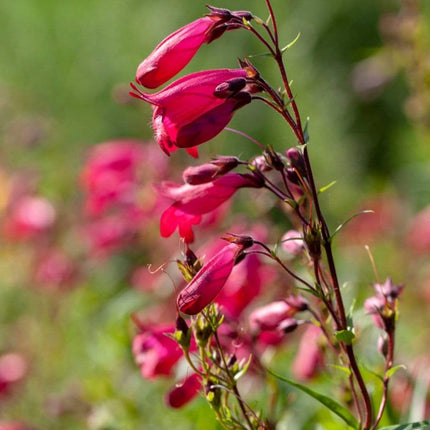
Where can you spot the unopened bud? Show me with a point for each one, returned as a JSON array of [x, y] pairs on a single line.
[[182, 333], [261, 164], [288, 325], [229, 88], [298, 303], [274, 159], [243, 241], [196, 175], [312, 237], [297, 162]]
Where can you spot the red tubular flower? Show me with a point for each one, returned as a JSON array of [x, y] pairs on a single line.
[[193, 201], [188, 113], [209, 281], [173, 53], [155, 353], [184, 392]]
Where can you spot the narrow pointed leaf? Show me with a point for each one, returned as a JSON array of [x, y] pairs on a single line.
[[394, 369], [409, 426], [347, 221], [291, 44], [328, 402]]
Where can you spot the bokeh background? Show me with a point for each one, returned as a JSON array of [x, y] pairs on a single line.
[[361, 72]]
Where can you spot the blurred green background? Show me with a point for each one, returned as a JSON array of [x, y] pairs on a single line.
[[64, 73]]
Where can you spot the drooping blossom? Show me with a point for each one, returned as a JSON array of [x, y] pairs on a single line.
[[193, 201], [188, 112], [184, 391], [154, 352], [173, 53], [309, 358], [209, 281]]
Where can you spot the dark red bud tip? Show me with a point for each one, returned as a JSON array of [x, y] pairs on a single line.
[[243, 241], [181, 325], [242, 98], [229, 88], [288, 325]]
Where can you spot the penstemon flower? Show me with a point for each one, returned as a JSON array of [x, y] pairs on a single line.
[[223, 295]]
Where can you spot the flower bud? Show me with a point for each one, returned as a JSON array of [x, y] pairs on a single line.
[[312, 237], [229, 88], [182, 333], [383, 345], [274, 159], [288, 325], [297, 162], [261, 164]]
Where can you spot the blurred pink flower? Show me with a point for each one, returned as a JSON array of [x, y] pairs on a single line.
[[418, 236], [269, 317], [184, 392], [115, 172], [54, 270], [13, 368], [29, 217], [309, 358], [292, 242], [187, 113], [154, 352], [209, 281], [193, 201]]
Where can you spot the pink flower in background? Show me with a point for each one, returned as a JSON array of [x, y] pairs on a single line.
[[114, 171], [292, 242], [418, 236], [188, 113], [54, 270], [209, 281], [29, 217], [269, 317], [13, 368], [14, 425], [309, 358], [154, 352], [184, 392], [193, 201]]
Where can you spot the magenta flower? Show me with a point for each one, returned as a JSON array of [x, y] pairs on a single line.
[[184, 392], [269, 317], [209, 281], [187, 113], [310, 357], [173, 53], [154, 352], [193, 201]]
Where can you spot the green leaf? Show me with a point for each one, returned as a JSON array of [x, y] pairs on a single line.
[[243, 370], [394, 369], [409, 426], [328, 402], [347, 221], [291, 44], [343, 368], [345, 336], [306, 131], [323, 189]]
